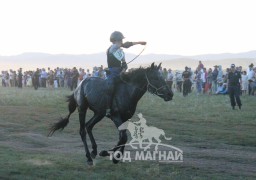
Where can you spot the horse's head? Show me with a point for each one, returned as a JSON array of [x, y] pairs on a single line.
[[156, 83]]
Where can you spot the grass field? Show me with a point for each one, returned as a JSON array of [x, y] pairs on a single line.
[[217, 142]]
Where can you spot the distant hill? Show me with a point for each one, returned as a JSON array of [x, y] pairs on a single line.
[[34, 60]]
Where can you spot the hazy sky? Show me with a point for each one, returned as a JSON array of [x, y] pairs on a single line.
[[184, 27]]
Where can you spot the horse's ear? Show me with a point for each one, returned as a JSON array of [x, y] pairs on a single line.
[[153, 65], [158, 67]]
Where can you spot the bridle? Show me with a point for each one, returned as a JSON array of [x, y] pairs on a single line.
[[155, 89], [149, 86]]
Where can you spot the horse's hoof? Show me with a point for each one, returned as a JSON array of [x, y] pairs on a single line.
[[115, 161], [93, 154], [90, 163], [104, 153], [118, 156]]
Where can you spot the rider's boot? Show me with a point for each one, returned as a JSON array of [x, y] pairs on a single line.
[[111, 85]]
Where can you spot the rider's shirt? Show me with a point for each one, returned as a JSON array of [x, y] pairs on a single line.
[[115, 56]]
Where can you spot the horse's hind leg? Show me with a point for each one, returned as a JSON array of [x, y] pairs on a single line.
[[82, 113], [89, 125]]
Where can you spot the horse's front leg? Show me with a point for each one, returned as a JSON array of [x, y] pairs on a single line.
[[122, 140], [89, 125], [121, 144]]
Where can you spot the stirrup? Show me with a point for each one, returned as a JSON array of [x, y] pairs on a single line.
[[108, 113]]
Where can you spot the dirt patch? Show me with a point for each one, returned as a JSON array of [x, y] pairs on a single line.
[[38, 162]]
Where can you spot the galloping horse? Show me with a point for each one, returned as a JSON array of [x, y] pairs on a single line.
[[92, 93]]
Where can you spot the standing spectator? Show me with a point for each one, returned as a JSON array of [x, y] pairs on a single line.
[[75, 75], [3, 79], [81, 75], [40, 80], [61, 78], [186, 83], [85, 76], [66, 73], [209, 80], [214, 78], [250, 78], [88, 72], [240, 68], [48, 73], [198, 81], [15, 79], [95, 72], [7, 79], [234, 79], [102, 73], [178, 78], [165, 74], [29, 82], [244, 82], [57, 76], [69, 78], [220, 74], [200, 65], [20, 78], [44, 77], [191, 78], [11, 78], [25, 78], [35, 78], [203, 79], [161, 71], [253, 84], [51, 79], [169, 80], [205, 84]]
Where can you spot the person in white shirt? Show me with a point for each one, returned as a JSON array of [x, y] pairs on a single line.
[[250, 74], [203, 78], [44, 77], [169, 79], [244, 82], [12, 81]]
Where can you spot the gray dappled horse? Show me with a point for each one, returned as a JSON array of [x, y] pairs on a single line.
[[93, 93]]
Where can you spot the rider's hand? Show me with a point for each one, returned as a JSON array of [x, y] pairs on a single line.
[[124, 65], [142, 42]]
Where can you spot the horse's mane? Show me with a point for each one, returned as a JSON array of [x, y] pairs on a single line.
[[137, 74]]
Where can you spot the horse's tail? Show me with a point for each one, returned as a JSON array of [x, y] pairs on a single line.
[[166, 137], [63, 122]]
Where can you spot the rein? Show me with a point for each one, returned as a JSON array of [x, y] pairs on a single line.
[[137, 55]]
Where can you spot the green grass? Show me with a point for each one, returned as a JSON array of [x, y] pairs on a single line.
[[217, 142]]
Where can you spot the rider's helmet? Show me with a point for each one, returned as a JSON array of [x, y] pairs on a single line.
[[116, 36]]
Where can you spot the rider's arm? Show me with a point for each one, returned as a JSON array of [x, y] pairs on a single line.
[[129, 44]]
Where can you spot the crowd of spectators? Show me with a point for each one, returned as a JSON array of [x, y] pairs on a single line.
[[203, 81], [212, 80], [50, 78]]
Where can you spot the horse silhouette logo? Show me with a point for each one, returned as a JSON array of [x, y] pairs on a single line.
[[142, 133]]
